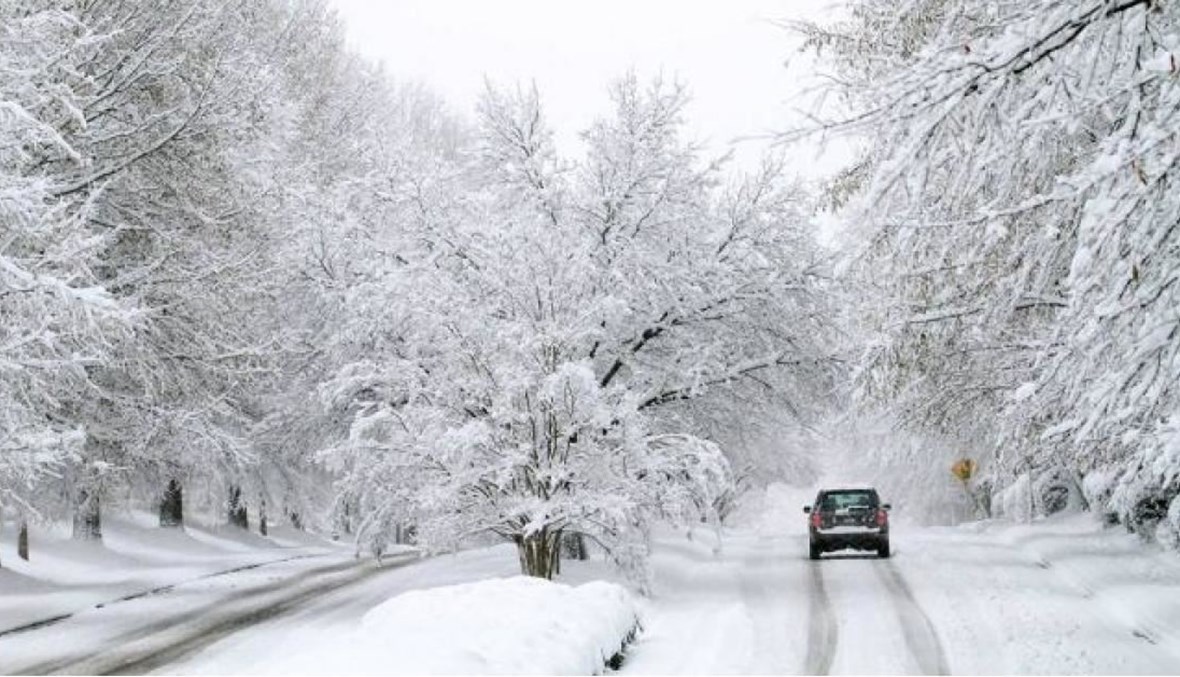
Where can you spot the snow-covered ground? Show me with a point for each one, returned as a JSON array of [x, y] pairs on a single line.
[[64, 576], [514, 625], [73, 603], [330, 637], [1059, 596]]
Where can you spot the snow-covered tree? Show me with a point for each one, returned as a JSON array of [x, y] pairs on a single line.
[[1015, 237], [139, 155], [543, 344], [230, 248], [57, 321], [175, 100], [365, 174]]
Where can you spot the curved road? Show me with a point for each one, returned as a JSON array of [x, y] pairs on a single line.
[[180, 629], [1031, 602]]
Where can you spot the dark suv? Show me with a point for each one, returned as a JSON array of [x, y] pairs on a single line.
[[849, 518]]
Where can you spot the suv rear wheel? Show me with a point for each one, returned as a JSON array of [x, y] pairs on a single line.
[[815, 551], [883, 549]]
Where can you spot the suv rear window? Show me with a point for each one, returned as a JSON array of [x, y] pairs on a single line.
[[840, 500]]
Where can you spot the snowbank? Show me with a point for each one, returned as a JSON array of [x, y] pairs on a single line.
[[1059, 595], [517, 625]]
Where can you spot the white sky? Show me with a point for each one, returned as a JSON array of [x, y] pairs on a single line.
[[733, 59]]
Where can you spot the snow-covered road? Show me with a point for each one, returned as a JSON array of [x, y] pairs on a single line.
[[865, 619], [1062, 596], [763, 608], [135, 635]]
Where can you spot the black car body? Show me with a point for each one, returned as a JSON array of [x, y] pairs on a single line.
[[848, 518]]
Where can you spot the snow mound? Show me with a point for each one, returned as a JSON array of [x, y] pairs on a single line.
[[518, 625]]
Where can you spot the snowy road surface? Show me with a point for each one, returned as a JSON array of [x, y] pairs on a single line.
[[133, 636], [1059, 597], [764, 608], [1063, 597], [310, 639]]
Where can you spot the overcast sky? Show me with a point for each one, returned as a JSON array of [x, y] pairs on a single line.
[[741, 69]]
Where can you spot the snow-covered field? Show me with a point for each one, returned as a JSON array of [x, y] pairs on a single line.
[[1060, 596]]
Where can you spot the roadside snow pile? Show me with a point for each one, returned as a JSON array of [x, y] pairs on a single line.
[[517, 625]]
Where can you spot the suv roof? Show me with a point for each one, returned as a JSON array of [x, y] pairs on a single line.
[[849, 487]]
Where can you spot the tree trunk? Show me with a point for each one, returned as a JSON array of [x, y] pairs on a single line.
[[539, 553], [22, 541], [88, 516], [262, 517], [1077, 480], [236, 509], [296, 520], [519, 541], [172, 506], [342, 523], [574, 545]]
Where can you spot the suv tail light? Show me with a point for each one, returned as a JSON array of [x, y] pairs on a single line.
[[816, 519], [882, 518]]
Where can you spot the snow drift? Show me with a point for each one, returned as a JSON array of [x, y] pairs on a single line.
[[515, 625], [519, 625]]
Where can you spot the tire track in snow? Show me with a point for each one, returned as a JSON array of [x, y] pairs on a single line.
[[155, 659], [138, 652], [44, 622], [920, 636], [821, 630]]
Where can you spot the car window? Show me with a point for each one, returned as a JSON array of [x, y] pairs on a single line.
[[840, 500]]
